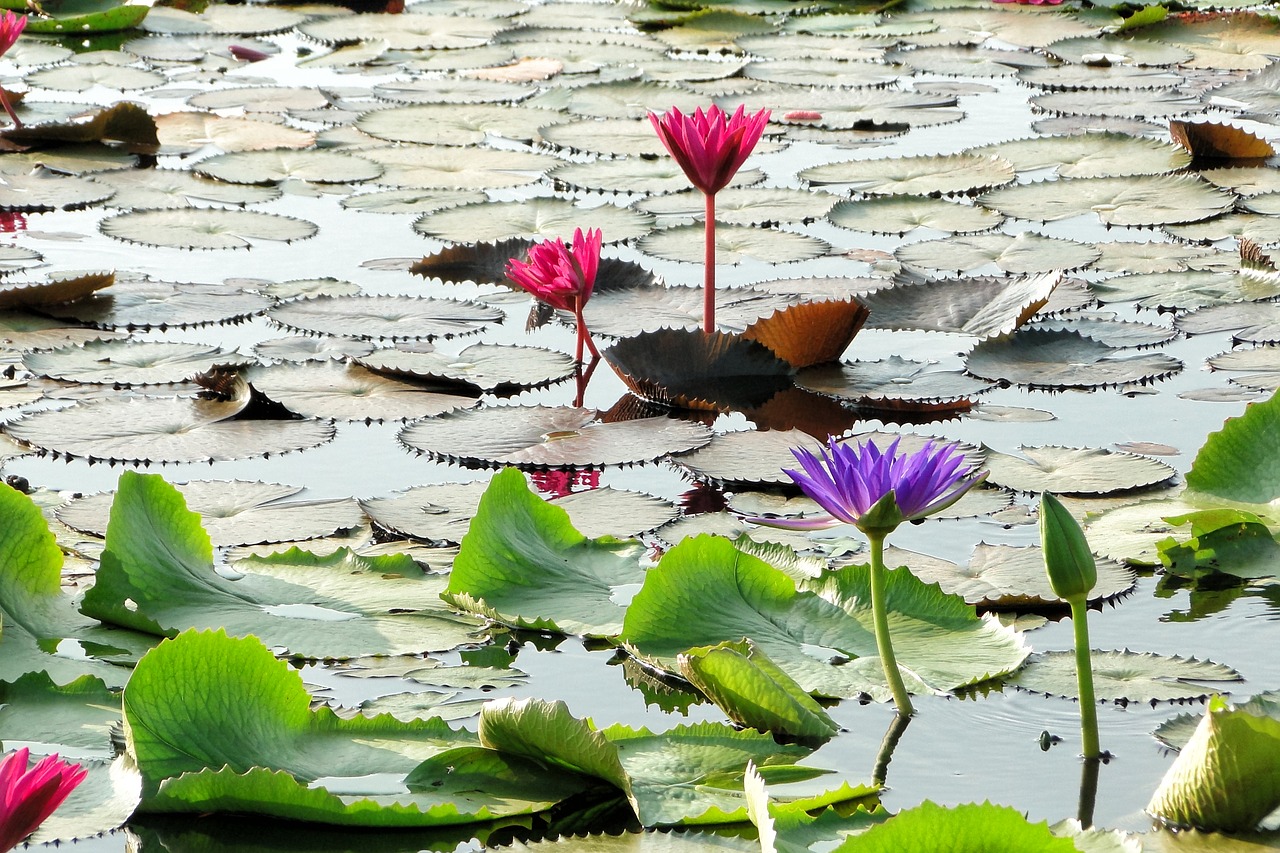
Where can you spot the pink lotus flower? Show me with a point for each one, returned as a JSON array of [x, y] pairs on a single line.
[[562, 276], [28, 797], [710, 148], [11, 26]]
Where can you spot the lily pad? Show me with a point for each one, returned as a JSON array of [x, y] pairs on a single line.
[[144, 189], [983, 307], [233, 512], [204, 228], [66, 287], [1064, 359], [921, 175], [445, 124], [129, 362], [387, 318], [634, 175], [749, 456], [894, 383], [191, 131], [453, 168], [351, 393], [163, 429], [900, 214], [274, 166], [626, 311], [406, 32], [1143, 200], [734, 244], [1024, 254], [550, 437], [491, 368], [1186, 289], [1125, 676], [1091, 155], [145, 304], [537, 218], [1075, 471], [46, 190]]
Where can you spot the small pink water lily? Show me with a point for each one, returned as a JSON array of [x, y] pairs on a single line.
[[563, 276], [28, 797], [710, 147], [11, 26], [876, 491]]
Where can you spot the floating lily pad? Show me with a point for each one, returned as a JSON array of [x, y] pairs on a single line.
[[406, 32], [983, 307], [1104, 327], [1120, 103], [444, 124], [634, 175], [1257, 323], [385, 317], [623, 312], [734, 244], [1091, 155], [65, 287], [536, 218], [632, 137], [742, 205], [142, 304], [922, 175], [445, 167], [749, 456], [1257, 368], [1184, 289], [269, 167], [842, 73], [81, 77], [46, 190], [312, 348], [1118, 50], [350, 392], [1025, 254], [130, 362], [1144, 200], [1125, 676], [142, 189], [190, 131], [22, 331], [204, 228], [1237, 42], [1075, 471], [900, 214], [224, 20], [1156, 257], [163, 429], [550, 437], [1259, 229], [490, 368], [233, 512], [1064, 359], [894, 383], [1009, 576], [1100, 77], [453, 90], [410, 201]]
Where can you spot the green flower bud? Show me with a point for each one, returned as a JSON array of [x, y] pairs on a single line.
[[1067, 557]]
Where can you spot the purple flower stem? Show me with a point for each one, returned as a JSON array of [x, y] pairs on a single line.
[[709, 263], [879, 615]]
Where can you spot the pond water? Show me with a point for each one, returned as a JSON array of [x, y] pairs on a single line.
[[980, 747]]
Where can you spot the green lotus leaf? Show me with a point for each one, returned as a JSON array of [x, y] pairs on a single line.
[[157, 576], [1234, 462], [522, 563], [88, 16], [1225, 779], [754, 692], [820, 633], [969, 828], [1231, 541]]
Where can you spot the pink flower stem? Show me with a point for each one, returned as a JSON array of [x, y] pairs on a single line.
[[709, 263], [583, 335], [8, 107], [583, 379]]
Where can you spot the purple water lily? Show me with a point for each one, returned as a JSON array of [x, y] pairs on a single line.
[[878, 490]]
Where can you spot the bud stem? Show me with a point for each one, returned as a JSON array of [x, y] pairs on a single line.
[[879, 615], [1084, 678]]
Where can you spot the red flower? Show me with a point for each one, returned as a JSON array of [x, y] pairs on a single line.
[[11, 26], [561, 276], [710, 147], [28, 797]]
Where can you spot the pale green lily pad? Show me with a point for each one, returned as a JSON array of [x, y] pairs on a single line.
[[144, 304], [233, 512], [1135, 257], [130, 362], [74, 720], [624, 312], [734, 244], [1007, 576], [274, 166], [853, 109], [163, 430], [966, 828], [106, 798], [222, 20], [631, 137], [1091, 155], [142, 189], [900, 214], [410, 201], [1258, 228], [1075, 471], [453, 168], [443, 124], [1101, 77], [23, 332], [422, 705], [983, 307], [550, 436], [1120, 103], [1247, 181], [819, 634], [157, 576], [635, 175], [1064, 359], [1185, 289], [749, 456], [921, 175], [350, 392], [894, 383], [965, 61], [312, 348], [1142, 201], [387, 318], [44, 190], [492, 368], [205, 228], [713, 30], [1119, 50], [452, 90], [65, 287], [842, 73], [1237, 42], [742, 205], [1103, 326], [537, 218], [260, 99], [1257, 368], [524, 565], [406, 32], [1252, 322], [1025, 254], [1125, 676], [82, 77], [190, 131], [748, 536]]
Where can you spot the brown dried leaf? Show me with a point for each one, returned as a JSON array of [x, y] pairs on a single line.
[[1216, 141]]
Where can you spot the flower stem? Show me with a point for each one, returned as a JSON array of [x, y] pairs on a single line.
[[1084, 678], [583, 334], [8, 107], [884, 645], [709, 265]]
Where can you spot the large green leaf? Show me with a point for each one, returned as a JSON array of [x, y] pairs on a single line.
[[523, 563], [1238, 462], [40, 626], [241, 736], [820, 635], [969, 828], [157, 575], [73, 720]]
